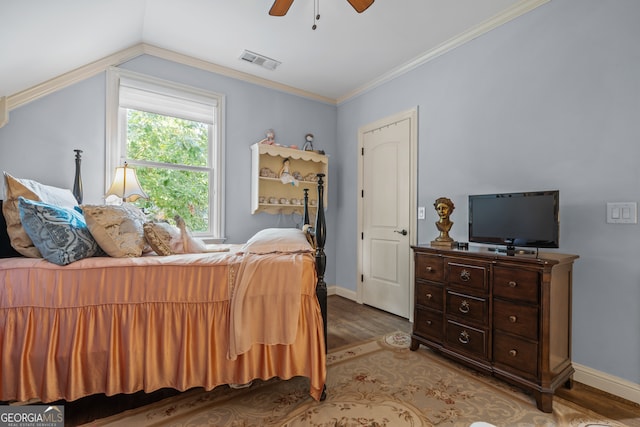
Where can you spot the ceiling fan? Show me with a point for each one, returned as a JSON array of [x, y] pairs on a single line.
[[280, 7]]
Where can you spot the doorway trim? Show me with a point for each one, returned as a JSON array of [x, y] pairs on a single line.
[[412, 115]]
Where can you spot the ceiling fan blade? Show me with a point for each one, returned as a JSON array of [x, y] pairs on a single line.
[[360, 5], [280, 7]]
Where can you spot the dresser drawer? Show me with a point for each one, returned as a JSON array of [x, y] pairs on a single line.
[[429, 295], [522, 285], [467, 308], [467, 339], [516, 353], [515, 319], [429, 267], [469, 275], [428, 324]]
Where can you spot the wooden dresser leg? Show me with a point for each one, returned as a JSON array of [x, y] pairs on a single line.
[[569, 383], [414, 344], [544, 401]]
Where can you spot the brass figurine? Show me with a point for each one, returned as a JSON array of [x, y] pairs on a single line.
[[444, 207]]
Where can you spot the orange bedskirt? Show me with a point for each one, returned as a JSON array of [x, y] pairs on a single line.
[[106, 325]]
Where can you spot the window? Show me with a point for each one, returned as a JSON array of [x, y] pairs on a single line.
[[172, 135]]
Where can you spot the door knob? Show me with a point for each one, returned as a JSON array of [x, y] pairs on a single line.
[[403, 232]]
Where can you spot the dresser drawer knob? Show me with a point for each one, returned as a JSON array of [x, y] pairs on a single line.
[[513, 353], [464, 337], [429, 296], [512, 284], [464, 307], [429, 269], [429, 322], [513, 319], [465, 275]]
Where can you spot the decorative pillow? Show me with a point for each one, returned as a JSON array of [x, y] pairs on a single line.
[[271, 240], [6, 250], [30, 190], [164, 238], [60, 234], [117, 229]]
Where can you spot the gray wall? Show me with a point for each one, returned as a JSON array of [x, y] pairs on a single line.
[[39, 140], [550, 100]]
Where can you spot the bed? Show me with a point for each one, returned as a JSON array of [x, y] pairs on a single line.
[[121, 325]]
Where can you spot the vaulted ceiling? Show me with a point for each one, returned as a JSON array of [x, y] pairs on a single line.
[[346, 54]]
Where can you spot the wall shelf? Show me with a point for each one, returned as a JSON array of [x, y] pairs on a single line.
[[269, 194]]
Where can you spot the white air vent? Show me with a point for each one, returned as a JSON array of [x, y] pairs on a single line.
[[261, 60]]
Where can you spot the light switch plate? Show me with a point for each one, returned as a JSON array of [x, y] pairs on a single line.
[[421, 212], [622, 213]]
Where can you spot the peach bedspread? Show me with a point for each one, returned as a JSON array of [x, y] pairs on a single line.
[[120, 325]]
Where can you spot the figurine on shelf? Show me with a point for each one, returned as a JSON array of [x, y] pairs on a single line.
[[308, 144], [270, 137], [284, 175]]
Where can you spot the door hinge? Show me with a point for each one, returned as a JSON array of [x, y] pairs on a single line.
[[362, 277], [362, 236], [362, 193], [362, 151]]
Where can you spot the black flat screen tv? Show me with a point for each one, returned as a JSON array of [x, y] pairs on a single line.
[[524, 219]]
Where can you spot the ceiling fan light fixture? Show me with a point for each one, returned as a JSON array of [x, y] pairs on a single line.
[[281, 7], [261, 60]]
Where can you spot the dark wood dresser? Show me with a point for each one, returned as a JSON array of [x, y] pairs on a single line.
[[509, 316]]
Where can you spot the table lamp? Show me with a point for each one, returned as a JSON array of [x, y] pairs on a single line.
[[126, 185]]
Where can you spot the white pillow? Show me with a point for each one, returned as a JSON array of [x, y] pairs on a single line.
[[281, 240]]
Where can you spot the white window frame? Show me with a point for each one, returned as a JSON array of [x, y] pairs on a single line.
[[115, 142]]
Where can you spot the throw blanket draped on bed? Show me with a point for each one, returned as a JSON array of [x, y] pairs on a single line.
[[265, 305]]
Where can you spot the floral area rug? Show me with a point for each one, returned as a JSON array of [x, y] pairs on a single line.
[[376, 383]]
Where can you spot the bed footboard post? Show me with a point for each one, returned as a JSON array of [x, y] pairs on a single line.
[[305, 220], [321, 259]]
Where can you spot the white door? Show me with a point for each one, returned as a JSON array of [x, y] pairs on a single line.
[[387, 204]]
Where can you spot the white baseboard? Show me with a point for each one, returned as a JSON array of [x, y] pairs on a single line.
[[607, 383], [346, 293], [588, 376]]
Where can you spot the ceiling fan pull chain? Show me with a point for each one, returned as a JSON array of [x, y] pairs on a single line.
[[316, 13]]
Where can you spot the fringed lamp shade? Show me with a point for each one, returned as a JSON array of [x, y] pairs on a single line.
[[126, 185]]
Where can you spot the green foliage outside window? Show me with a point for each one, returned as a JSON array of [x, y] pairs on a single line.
[[171, 143]]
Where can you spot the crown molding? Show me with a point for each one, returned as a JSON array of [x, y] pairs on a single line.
[[225, 71], [52, 85], [515, 11], [4, 111]]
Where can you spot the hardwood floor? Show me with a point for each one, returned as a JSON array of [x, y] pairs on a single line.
[[349, 323]]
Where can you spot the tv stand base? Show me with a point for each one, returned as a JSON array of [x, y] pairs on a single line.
[[511, 251]]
